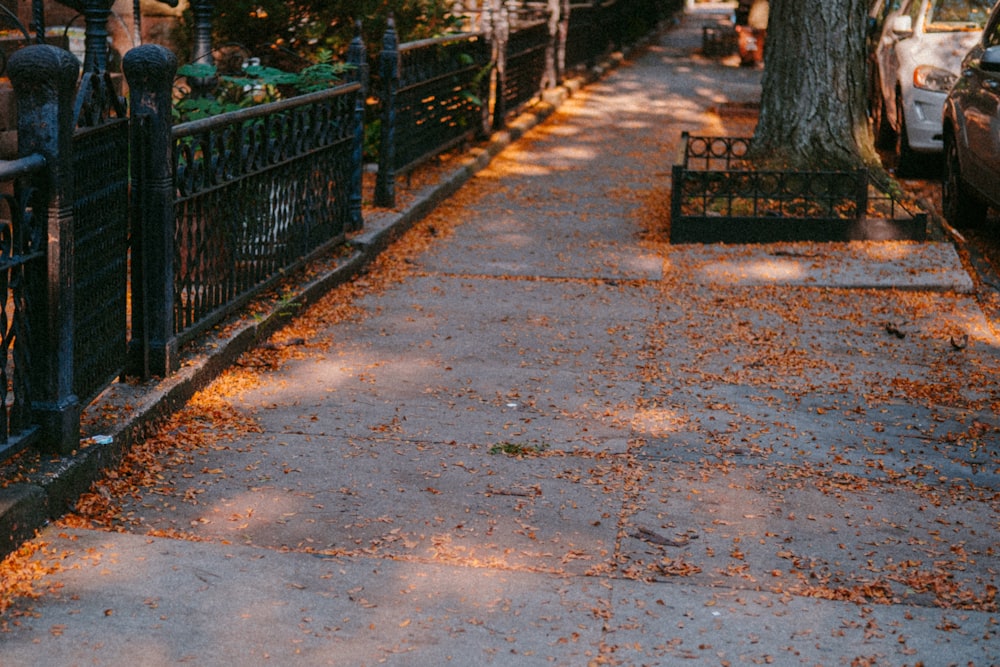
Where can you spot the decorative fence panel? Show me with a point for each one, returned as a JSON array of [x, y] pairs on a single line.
[[716, 197], [259, 191], [100, 216], [21, 244], [432, 95], [525, 65], [439, 100]]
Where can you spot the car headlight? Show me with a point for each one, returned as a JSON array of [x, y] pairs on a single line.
[[928, 77]]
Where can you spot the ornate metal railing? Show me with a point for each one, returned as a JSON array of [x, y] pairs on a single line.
[[100, 235], [717, 196], [21, 245], [524, 66], [432, 94], [258, 191], [100, 219]]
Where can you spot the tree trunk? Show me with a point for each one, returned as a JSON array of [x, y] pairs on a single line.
[[813, 113]]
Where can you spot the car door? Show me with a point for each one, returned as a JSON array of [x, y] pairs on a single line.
[[981, 109]]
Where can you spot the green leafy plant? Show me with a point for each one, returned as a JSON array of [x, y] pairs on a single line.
[[256, 84], [518, 449]]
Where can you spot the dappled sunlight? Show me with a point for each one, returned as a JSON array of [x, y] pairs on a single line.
[[516, 240], [887, 250], [927, 265], [659, 422], [634, 125], [754, 271], [252, 507], [525, 169], [712, 95], [572, 153], [556, 130], [193, 602]]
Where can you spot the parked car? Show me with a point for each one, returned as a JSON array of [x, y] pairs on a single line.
[[917, 61], [879, 12], [971, 124]]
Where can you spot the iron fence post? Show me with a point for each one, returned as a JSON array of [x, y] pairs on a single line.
[[44, 81], [389, 65], [357, 56], [150, 70]]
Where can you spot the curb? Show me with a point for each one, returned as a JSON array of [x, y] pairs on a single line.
[[51, 488]]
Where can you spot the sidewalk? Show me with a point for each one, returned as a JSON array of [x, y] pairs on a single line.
[[534, 434]]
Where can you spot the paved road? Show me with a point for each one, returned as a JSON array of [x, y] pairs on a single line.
[[543, 437]]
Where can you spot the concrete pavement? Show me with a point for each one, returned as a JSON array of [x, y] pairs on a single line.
[[544, 437]]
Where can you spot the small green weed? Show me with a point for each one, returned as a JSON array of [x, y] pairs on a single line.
[[518, 449]]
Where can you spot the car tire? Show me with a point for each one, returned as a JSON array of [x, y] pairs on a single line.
[[961, 208]]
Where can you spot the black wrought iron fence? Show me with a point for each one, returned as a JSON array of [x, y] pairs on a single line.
[[432, 95], [258, 191], [100, 255], [717, 196], [524, 66], [21, 246]]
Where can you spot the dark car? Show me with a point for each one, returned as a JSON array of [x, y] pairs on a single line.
[[971, 127]]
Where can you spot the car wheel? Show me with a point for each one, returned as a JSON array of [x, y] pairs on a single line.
[[961, 208]]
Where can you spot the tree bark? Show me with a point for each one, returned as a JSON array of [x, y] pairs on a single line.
[[813, 113]]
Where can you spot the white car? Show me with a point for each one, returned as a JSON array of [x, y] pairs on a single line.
[[917, 60]]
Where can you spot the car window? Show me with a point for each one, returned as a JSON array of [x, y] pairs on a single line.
[[956, 15]]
